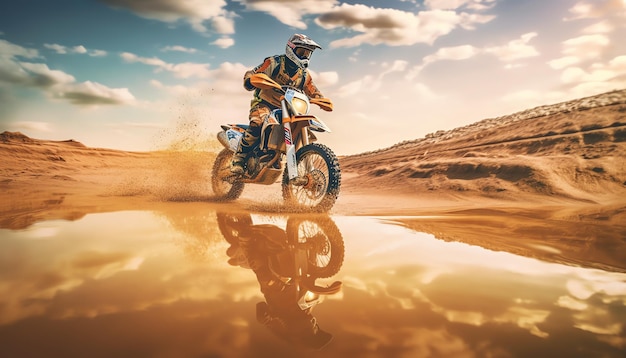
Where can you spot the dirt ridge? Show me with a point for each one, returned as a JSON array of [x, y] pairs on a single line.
[[615, 97], [573, 149]]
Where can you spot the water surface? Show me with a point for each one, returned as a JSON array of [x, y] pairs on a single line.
[[175, 284]]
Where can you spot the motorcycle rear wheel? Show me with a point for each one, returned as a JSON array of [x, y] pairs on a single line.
[[233, 225], [222, 188], [320, 166]]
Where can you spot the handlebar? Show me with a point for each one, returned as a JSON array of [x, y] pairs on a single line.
[[262, 81], [324, 103]]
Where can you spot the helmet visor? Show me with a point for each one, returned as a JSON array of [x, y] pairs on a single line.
[[303, 53]]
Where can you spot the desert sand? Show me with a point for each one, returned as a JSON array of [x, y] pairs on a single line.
[[564, 161]]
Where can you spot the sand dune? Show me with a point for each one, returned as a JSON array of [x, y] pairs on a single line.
[[569, 155], [573, 150]]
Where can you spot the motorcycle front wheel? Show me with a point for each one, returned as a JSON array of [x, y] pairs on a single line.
[[323, 241], [320, 167], [224, 188]]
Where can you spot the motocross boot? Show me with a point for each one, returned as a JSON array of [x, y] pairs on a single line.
[[250, 137]]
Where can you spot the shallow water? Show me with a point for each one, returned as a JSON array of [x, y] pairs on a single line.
[[155, 284]]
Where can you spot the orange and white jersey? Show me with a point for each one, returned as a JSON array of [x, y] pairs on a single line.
[[274, 67]]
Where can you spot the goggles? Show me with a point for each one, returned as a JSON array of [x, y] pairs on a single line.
[[303, 53]]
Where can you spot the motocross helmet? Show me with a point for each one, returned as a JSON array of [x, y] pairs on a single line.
[[299, 49], [302, 330]]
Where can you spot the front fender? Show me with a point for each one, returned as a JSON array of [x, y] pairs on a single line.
[[315, 123]]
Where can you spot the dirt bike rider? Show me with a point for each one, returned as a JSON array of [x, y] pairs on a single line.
[[289, 69]]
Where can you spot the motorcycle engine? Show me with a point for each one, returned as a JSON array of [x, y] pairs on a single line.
[[257, 161], [253, 165]]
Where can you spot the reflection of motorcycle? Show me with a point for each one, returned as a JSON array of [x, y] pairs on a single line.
[[287, 263], [312, 177]]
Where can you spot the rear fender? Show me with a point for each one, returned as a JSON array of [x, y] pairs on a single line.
[[231, 135], [237, 127]]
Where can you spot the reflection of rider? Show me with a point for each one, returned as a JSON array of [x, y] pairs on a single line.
[[289, 69], [280, 311], [262, 249]]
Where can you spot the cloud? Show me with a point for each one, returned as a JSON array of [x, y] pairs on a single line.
[[579, 49], [394, 27], [39, 75], [613, 9], [444, 4], [578, 82], [174, 90], [586, 66], [190, 70], [97, 53], [513, 50], [55, 83], [195, 12], [371, 83], [10, 50], [601, 27], [181, 70], [13, 71], [92, 93], [228, 77], [324, 79], [366, 83], [80, 49], [455, 4], [423, 92], [598, 72], [586, 46], [56, 48], [224, 24], [156, 62], [355, 56], [290, 12], [179, 49], [516, 49], [395, 66], [452, 53], [563, 62], [31, 125], [224, 42]]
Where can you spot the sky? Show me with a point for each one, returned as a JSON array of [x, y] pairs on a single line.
[[134, 74]]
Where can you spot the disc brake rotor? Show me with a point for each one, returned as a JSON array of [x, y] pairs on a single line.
[[316, 184]]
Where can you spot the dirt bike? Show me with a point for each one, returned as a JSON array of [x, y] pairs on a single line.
[[309, 248], [287, 264], [311, 173]]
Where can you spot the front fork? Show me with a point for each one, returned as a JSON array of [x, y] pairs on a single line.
[[290, 148]]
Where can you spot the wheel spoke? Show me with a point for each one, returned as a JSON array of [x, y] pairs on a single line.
[[319, 251], [314, 167], [318, 168]]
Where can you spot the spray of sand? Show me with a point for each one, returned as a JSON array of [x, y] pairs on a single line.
[[185, 168], [180, 168]]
